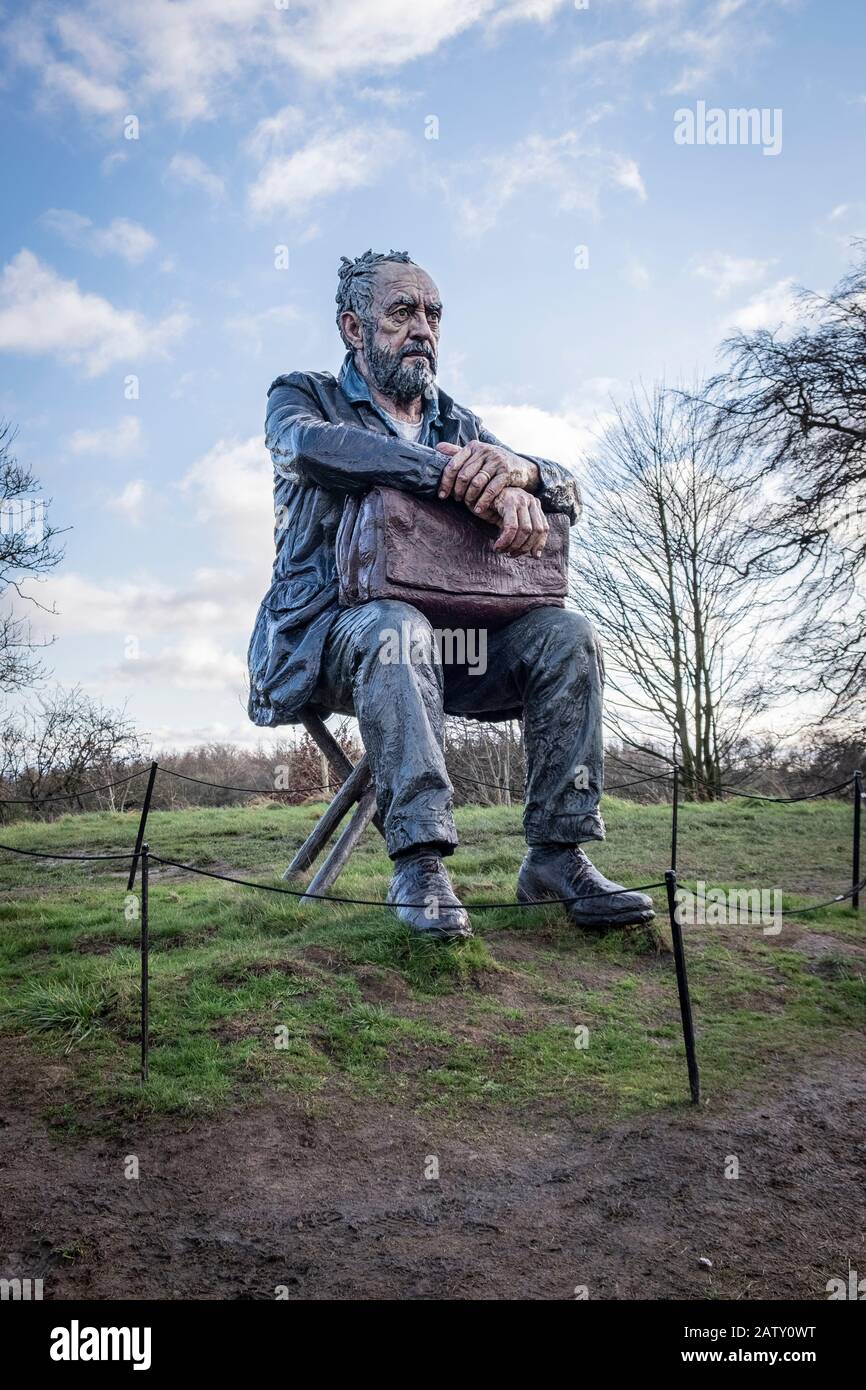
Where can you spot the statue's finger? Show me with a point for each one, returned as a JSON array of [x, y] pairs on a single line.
[[484, 502]]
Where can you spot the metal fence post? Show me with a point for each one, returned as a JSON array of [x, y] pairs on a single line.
[[675, 816], [145, 962], [142, 824], [855, 857], [683, 988]]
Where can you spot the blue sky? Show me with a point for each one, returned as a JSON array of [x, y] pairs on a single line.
[[307, 127]]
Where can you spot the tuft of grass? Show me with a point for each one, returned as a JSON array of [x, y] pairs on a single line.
[[72, 1009]]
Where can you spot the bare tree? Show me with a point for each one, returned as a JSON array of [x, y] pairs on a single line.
[[485, 761], [64, 747], [796, 402], [668, 518], [25, 551]]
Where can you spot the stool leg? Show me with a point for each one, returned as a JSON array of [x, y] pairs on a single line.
[[327, 744], [351, 791], [337, 859]]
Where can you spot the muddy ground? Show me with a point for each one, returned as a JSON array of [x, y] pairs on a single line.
[[334, 1204]]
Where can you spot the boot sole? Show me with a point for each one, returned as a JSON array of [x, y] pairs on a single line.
[[443, 934], [625, 918]]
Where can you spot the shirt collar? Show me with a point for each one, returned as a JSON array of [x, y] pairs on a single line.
[[355, 388]]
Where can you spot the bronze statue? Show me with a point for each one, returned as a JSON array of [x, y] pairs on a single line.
[[383, 423]]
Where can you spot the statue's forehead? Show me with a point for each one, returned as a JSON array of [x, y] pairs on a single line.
[[394, 278]]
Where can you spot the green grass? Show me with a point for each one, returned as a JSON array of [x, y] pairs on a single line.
[[252, 990]]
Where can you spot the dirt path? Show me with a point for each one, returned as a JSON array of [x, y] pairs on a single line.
[[337, 1205]]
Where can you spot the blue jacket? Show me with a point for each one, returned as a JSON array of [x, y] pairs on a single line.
[[327, 439]]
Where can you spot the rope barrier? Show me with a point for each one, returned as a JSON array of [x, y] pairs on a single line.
[[320, 897], [69, 796], [455, 777], [816, 907], [807, 796], [44, 854], [378, 902], [259, 791]]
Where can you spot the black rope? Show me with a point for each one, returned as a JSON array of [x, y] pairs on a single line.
[[807, 796], [494, 786], [69, 796], [504, 787], [656, 777], [322, 897], [378, 902], [260, 791], [815, 907], [44, 854], [455, 776]]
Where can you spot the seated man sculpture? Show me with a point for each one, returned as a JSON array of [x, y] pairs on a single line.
[[383, 422]]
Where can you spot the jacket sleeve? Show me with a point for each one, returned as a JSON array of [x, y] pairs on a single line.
[[343, 458], [558, 489]]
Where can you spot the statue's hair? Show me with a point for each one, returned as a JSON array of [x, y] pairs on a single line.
[[355, 288]]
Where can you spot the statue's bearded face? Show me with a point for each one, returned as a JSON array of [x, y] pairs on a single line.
[[401, 335]]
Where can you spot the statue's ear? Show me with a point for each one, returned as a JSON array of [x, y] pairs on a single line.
[[351, 326]]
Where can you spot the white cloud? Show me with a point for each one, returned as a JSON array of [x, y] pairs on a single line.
[[514, 10], [90, 96], [196, 663], [617, 52], [184, 58], [564, 436], [229, 495], [130, 502], [272, 133], [116, 441], [42, 314], [728, 273], [111, 162], [775, 307], [211, 600], [332, 36], [255, 327], [188, 171], [390, 97], [626, 174], [696, 40], [231, 489], [572, 170], [637, 275], [121, 237], [331, 162]]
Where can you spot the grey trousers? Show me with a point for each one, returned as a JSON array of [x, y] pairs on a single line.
[[384, 663]]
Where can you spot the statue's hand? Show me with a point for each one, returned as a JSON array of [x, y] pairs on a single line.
[[477, 473], [523, 526]]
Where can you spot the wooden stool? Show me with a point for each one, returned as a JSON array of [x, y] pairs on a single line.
[[356, 790]]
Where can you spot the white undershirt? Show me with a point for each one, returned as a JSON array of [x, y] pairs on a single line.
[[406, 428]]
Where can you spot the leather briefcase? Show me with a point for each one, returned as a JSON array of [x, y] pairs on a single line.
[[438, 557]]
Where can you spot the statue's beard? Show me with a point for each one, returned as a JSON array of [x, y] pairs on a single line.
[[396, 378]]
